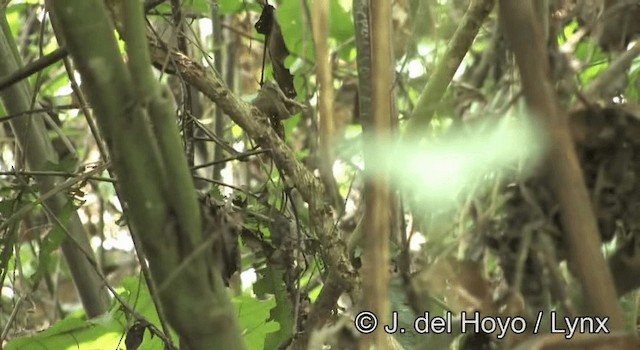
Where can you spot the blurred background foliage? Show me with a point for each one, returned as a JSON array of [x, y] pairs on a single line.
[[459, 183]]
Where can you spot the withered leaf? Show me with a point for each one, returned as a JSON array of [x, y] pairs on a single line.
[[135, 335], [268, 25], [265, 22]]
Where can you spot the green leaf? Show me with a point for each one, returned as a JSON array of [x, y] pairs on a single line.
[[74, 333], [216, 193], [227, 7], [568, 31], [340, 22], [253, 317], [632, 92], [66, 164], [292, 123], [137, 295], [592, 72], [272, 283], [7, 207], [290, 17], [589, 51], [135, 292], [200, 7], [197, 6], [296, 31], [52, 241]]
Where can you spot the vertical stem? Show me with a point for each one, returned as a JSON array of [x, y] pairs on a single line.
[[325, 101], [563, 171], [377, 193], [217, 36], [187, 107]]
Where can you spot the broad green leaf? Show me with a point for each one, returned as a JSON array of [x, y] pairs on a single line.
[[253, 315], [198, 6], [568, 31], [588, 51], [297, 33], [340, 22], [282, 312], [137, 295], [592, 72], [74, 333], [227, 7]]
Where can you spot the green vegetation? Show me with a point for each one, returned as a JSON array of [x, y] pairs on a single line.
[[153, 195]]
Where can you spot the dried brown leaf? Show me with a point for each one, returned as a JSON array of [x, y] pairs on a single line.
[[268, 25]]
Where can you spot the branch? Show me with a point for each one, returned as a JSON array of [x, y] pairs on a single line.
[[563, 172], [257, 125], [159, 207], [32, 68], [378, 198], [446, 68], [325, 101]]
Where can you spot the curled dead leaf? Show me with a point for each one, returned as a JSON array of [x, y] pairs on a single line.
[[268, 25]]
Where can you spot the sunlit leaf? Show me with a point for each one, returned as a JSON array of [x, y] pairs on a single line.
[[282, 311], [74, 333]]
